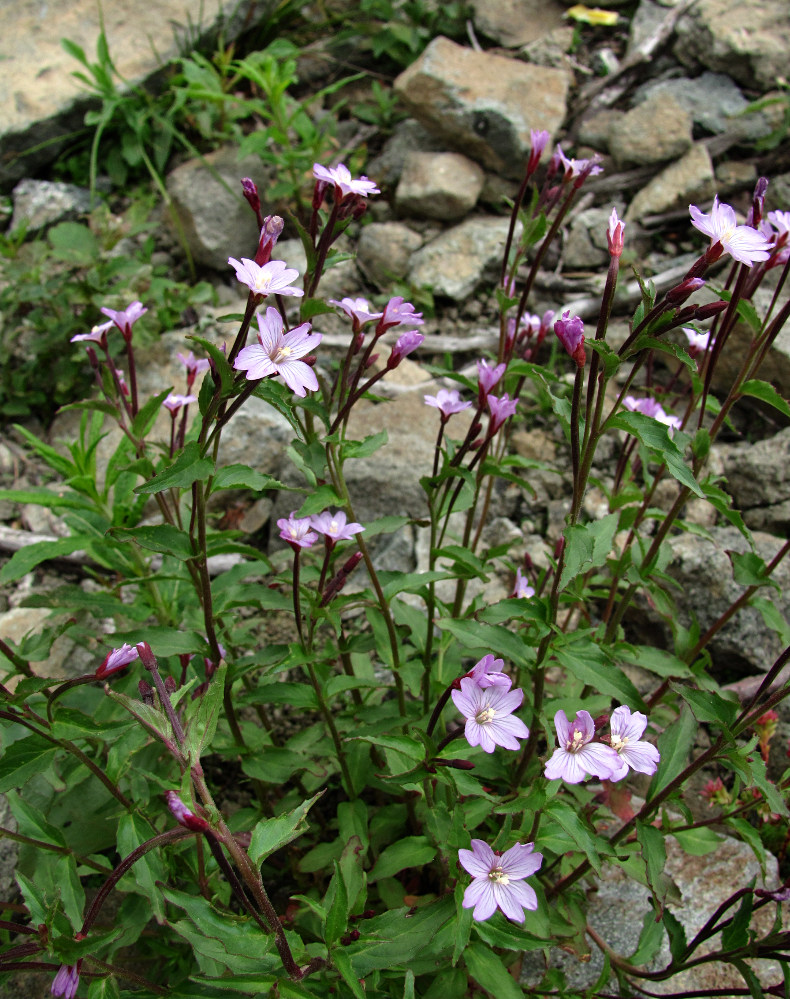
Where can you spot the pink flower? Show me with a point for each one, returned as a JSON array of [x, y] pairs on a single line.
[[278, 353], [522, 587], [487, 379], [627, 729], [614, 235], [781, 222], [273, 278], [577, 755], [357, 309], [489, 715], [66, 981], [650, 407], [397, 312], [502, 408], [193, 364], [341, 177], [126, 318], [538, 140], [334, 526], [405, 344], [570, 330], [698, 342], [174, 402], [297, 531], [744, 244], [498, 880], [116, 660], [98, 334], [447, 401], [487, 673], [578, 170]]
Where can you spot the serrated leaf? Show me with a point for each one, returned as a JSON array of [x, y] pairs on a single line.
[[272, 834], [674, 746], [26, 559], [587, 546], [23, 759], [766, 393], [163, 538], [243, 477], [188, 467], [573, 824], [655, 437]]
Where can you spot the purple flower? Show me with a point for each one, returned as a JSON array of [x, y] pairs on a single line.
[[489, 715], [522, 587], [278, 353], [334, 526], [193, 364], [66, 981], [174, 402], [98, 334], [487, 379], [447, 401], [357, 309], [577, 755], [183, 815], [341, 177], [698, 342], [538, 141], [267, 279], [570, 330], [405, 344], [116, 660], [744, 244], [501, 409], [498, 880], [397, 312], [650, 407], [271, 230], [487, 673], [614, 235], [627, 728], [297, 531], [126, 318], [780, 221], [578, 170]]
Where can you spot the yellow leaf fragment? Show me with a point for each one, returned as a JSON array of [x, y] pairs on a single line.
[[592, 15]]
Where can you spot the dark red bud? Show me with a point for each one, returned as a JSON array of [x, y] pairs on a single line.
[[711, 309], [679, 294], [146, 693], [146, 655], [170, 684], [455, 764]]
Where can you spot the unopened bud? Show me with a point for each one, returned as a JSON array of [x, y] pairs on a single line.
[[755, 216], [455, 764], [183, 815], [250, 192], [170, 684], [146, 692], [559, 548], [711, 309], [338, 581], [271, 230], [146, 655], [679, 294]]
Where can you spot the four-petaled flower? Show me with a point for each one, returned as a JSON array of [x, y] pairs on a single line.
[[522, 587], [174, 402], [498, 880], [278, 353], [627, 728], [66, 981], [489, 715], [98, 334], [268, 279], [334, 526], [297, 531], [116, 660], [653, 408], [578, 170], [698, 342], [487, 379], [744, 244], [501, 408], [357, 309], [397, 312], [488, 673], [577, 755], [570, 331], [404, 345], [341, 177], [447, 401], [194, 365], [126, 318]]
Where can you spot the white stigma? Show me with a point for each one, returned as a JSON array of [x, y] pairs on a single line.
[[485, 716], [498, 876]]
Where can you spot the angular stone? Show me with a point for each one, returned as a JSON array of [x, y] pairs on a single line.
[[586, 245], [747, 41], [385, 250], [513, 23], [456, 262], [476, 101], [442, 186], [408, 136], [655, 131], [41, 203], [213, 217], [690, 179], [758, 479]]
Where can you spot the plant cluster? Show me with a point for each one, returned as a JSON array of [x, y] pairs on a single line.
[[298, 774]]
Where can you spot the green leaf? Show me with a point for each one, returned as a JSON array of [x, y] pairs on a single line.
[[697, 842], [749, 977], [490, 974], [475, 635], [71, 892], [74, 243], [392, 940], [162, 538], [751, 836], [749, 569], [677, 935], [654, 854], [188, 467], [243, 477], [411, 851], [674, 746], [736, 935], [569, 819], [587, 546], [23, 759], [708, 706], [28, 558], [364, 448], [31, 821], [342, 962], [765, 393], [203, 724], [337, 917], [650, 940], [655, 437], [588, 662], [146, 417], [319, 499], [272, 834]]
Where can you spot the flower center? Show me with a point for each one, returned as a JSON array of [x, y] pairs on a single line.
[[333, 528], [485, 716], [574, 744], [498, 876], [280, 354], [262, 282], [618, 744]]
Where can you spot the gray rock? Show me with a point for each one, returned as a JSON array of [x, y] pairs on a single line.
[[655, 131], [442, 186], [758, 479], [40, 101], [455, 263], [41, 203], [595, 129], [513, 23], [385, 250], [552, 49], [747, 41], [408, 137], [689, 179], [703, 570], [8, 852], [211, 213], [475, 101], [586, 245]]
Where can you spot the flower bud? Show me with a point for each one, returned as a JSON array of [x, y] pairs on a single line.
[[250, 192], [271, 230], [709, 310], [679, 294], [183, 815], [146, 692], [146, 656]]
